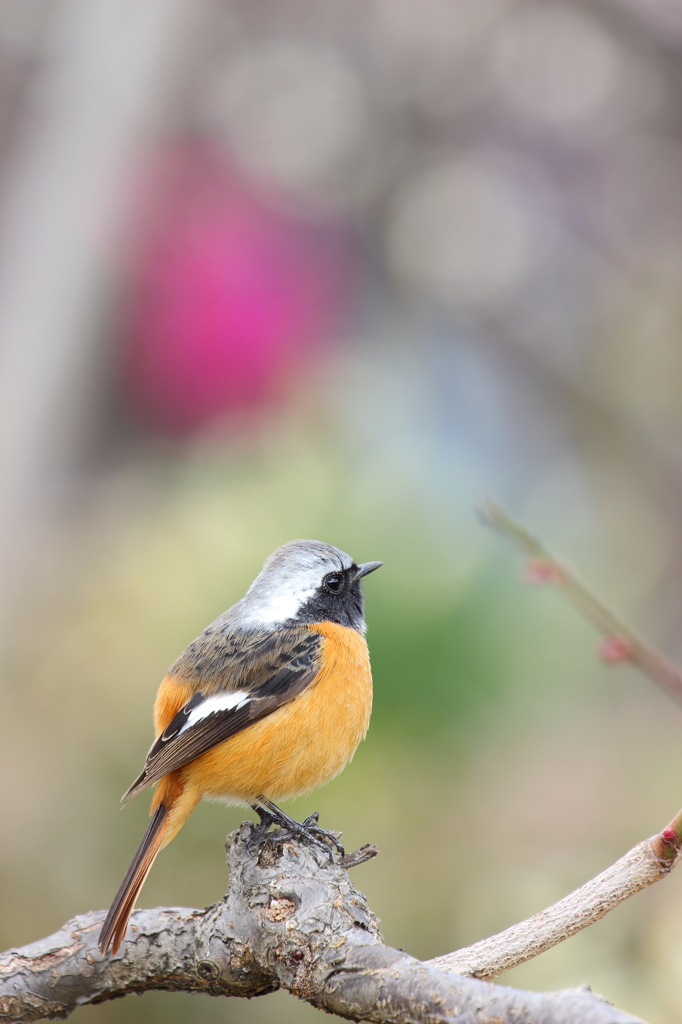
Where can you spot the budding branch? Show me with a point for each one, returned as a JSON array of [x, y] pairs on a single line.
[[289, 921]]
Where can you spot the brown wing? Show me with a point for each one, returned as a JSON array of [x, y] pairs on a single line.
[[280, 667]]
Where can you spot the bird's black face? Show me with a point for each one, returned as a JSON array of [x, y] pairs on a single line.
[[338, 598]]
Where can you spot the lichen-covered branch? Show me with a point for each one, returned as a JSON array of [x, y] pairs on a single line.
[[287, 921]]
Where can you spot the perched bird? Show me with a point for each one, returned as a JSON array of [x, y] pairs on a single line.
[[270, 701]]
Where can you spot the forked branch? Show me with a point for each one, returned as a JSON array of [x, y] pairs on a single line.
[[286, 922]]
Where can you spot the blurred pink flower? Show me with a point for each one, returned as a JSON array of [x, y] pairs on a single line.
[[230, 295]]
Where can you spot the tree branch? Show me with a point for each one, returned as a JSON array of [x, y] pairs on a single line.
[[287, 922], [624, 642], [643, 865]]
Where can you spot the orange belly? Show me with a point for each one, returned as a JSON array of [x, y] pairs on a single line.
[[304, 743], [301, 745]]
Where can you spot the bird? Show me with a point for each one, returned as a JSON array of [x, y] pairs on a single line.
[[268, 703]]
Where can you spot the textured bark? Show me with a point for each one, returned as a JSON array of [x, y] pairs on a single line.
[[287, 921]]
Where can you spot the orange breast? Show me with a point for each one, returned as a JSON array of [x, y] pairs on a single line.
[[172, 695], [304, 743]]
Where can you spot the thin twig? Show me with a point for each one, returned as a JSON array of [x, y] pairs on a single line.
[[647, 862], [625, 643], [643, 865]]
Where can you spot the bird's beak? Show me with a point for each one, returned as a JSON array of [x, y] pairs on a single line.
[[366, 568]]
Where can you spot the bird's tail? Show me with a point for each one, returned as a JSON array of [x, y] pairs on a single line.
[[114, 928]]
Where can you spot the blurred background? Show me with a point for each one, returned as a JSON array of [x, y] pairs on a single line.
[[274, 269]]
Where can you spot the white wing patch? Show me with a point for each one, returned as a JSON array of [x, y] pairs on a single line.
[[221, 702]]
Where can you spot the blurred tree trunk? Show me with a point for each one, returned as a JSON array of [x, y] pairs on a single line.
[[96, 81]]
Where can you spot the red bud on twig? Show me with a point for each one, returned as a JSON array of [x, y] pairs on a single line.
[[614, 649], [542, 570]]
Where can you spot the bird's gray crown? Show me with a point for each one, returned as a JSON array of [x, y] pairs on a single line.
[[291, 576]]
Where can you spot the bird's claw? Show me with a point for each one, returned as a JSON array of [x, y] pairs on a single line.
[[308, 832], [324, 834]]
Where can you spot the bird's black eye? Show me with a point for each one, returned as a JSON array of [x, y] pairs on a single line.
[[333, 582]]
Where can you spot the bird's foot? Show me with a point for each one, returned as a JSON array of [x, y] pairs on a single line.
[[308, 832], [259, 832], [324, 834]]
